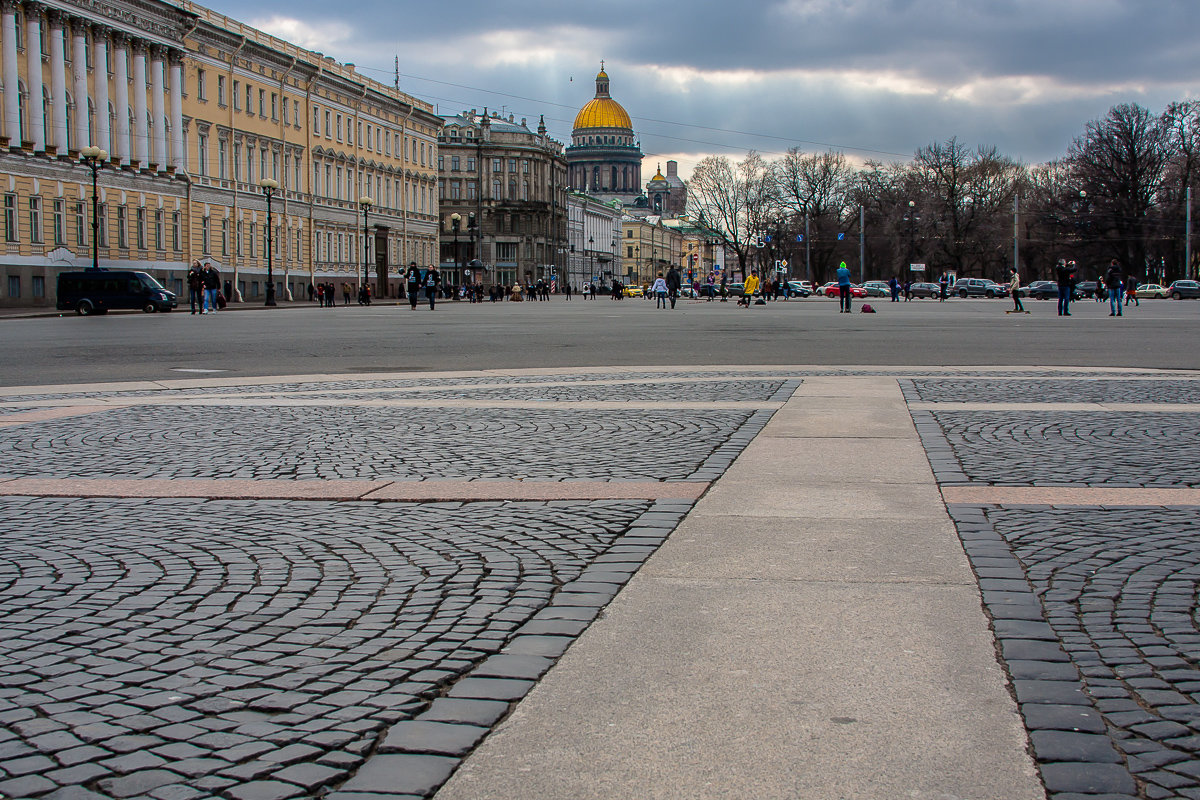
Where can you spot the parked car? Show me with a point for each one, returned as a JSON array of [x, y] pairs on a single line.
[[1145, 291], [633, 291], [824, 287], [979, 287], [877, 289], [735, 289], [926, 290], [799, 288], [855, 291], [1183, 289], [1089, 289], [96, 291], [1040, 290]]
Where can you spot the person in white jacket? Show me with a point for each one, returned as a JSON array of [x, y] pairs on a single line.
[[660, 291], [1014, 288]]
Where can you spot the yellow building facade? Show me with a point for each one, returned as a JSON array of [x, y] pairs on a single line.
[[195, 111]]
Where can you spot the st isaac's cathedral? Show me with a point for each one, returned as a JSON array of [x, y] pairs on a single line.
[[604, 159]]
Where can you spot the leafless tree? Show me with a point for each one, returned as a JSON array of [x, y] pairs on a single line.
[[732, 199]]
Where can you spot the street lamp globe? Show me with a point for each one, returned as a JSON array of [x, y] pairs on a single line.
[[94, 158]]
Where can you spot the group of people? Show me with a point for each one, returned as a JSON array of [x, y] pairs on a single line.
[[1119, 288], [204, 288]]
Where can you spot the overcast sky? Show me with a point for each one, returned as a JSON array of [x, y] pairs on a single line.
[[873, 78]]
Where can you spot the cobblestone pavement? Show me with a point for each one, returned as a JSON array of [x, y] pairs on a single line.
[[1094, 608], [259, 649]]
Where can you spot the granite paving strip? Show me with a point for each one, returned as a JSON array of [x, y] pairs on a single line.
[[42, 414], [1069, 496], [776, 647], [1001, 407], [434, 491]]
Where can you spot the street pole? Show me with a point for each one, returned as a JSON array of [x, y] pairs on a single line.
[[94, 158], [269, 188], [1187, 236], [365, 204], [862, 251], [455, 219], [807, 254], [1017, 233]]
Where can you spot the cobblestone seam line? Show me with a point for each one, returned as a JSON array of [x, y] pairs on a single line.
[[415, 757], [946, 467], [1067, 733]]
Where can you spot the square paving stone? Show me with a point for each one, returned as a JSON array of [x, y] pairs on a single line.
[[1050, 745], [402, 774], [491, 688], [1042, 670], [26, 786], [1054, 692], [473, 712], [1040, 716], [137, 783], [529, 667], [1088, 778], [265, 790], [442, 738]]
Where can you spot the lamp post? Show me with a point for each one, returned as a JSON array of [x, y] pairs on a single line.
[[93, 159], [365, 204], [911, 219], [269, 188], [591, 255], [455, 220]]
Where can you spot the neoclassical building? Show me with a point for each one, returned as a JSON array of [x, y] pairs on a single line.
[[604, 157], [508, 186], [196, 109]]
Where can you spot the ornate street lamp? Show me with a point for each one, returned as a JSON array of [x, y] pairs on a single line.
[[455, 220], [365, 204], [912, 220], [269, 187], [93, 159]]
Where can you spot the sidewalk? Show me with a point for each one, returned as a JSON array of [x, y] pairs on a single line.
[[811, 630]]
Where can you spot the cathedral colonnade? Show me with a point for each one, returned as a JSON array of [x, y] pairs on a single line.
[[120, 92]]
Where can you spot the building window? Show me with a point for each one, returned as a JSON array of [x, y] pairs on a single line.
[[238, 242], [441, 163], [339, 127], [262, 103], [158, 229], [102, 215], [59, 213], [525, 167], [202, 152], [328, 124], [316, 120], [35, 219], [221, 91], [512, 166], [225, 237], [122, 227], [222, 159], [237, 161], [201, 89], [497, 191], [454, 163], [253, 247], [275, 106], [10, 218], [176, 231], [497, 165], [470, 165], [249, 99], [78, 212], [472, 190], [205, 233], [39, 286], [237, 86], [140, 230], [285, 108], [14, 285]]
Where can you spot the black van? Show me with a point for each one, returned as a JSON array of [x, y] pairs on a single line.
[[96, 291]]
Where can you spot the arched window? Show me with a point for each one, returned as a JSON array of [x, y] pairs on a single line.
[[22, 108], [614, 178], [595, 177], [112, 129], [496, 190], [91, 123], [46, 115]]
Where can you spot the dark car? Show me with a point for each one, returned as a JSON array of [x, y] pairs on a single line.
[[98, 291], [926, 290], [1089, 289], [979, 287], [1040, 290], [1183, 289]]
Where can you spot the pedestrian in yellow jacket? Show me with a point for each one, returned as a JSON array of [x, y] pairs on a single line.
[[751, 288]]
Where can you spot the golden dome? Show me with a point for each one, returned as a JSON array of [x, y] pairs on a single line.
[[603, 112]]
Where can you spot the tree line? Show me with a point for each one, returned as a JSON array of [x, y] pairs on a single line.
[[1119, 192]]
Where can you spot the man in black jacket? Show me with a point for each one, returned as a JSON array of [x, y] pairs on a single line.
[[673, 285], [1114, 280], [1064, 274], [412, 281]]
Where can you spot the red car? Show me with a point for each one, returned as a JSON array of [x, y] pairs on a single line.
[[855, 291]]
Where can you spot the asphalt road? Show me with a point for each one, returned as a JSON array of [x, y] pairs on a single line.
[[301, 339]]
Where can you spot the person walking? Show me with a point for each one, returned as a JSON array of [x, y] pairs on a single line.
[[751, 287], [433, 281], [943, 287], [894, 285], [660, 292], [1014, 288], [674, 284], [1114, 280], [195, 282], [212, 284], [1131, 284], [1062, 276], [843, 279], [412, 284]]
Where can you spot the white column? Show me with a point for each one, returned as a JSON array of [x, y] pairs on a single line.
[[33, 54], [100, 86], [82, 133], [58, 83], [100, 136], [141, 130], [121, 97], [158, 107], [179, 158], [12, 79]]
